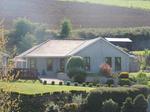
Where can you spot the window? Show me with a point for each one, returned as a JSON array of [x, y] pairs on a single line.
[[87, 63], [49, 64], [33, 63], [117, 63], [108, 60], [62, 64]]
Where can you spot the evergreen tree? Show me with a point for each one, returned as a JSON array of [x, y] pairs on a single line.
[[65, 29]]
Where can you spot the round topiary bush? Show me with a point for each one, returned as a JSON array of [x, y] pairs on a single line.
[[75, 68], [53, 83], [44, 82], [68, 83], [76, 84], [84, 84], [90, 85]]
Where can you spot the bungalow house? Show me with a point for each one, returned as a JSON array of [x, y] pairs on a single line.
[[51, 56]]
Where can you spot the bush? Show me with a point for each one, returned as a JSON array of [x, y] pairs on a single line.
[[118, 94], [80, 76], [90, 85], [123, 82], [71, 107], [124, 75], [127, 105], [76, 69], [142, 78], [68, 83], [105, 70], [60, 83], [140, 103], [109, 106], [110, 82], [84, 84], [76, 84], [53, 83], [98, 85], [44, 82]]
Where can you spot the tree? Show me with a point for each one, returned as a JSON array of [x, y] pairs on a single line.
[[127, 105], [109, 106], [26, 34], [65, 29], [140, 104], [75, 68]]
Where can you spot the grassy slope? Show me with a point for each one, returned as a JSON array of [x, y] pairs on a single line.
[[36, 87], [143, 4]]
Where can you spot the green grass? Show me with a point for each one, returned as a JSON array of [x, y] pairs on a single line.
[[134, 74], [140, 52], [29, 87], [142, 4]]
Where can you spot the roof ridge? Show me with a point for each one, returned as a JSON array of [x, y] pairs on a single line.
[[84, 43], [77, 46]]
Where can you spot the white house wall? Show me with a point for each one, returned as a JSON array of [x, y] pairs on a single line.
[[41, 64], [101, 49]]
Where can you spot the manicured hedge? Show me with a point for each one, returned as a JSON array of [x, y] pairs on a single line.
[[118, 94]]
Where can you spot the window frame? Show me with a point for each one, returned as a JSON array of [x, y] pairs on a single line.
[[118, 67], [49, 67], [62, 64], [87, 61], [107, 61], [33, 65]]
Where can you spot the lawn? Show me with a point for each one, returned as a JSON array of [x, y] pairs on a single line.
[[29, 87], [142, 4]]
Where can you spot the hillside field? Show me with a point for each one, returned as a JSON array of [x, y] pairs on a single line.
[[142, 4], [82, 15]]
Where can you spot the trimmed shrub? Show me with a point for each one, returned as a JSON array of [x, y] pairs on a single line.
[[118, 94], [71, 107], [140, 103], [90, 85], [68, 83], [110, 82], [109, 106], [124, 75], [123, 82], [127, 105], [105, 70], [44, 82], [76, 84], [98, 85], [53, 83], [80, 76], [60, 83], [84, 84], [76, 69]]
